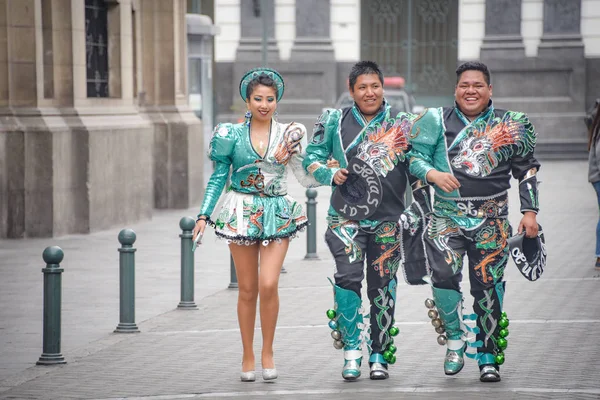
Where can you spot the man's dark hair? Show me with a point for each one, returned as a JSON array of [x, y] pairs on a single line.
[[261, 80], [363, 68], [474, 66]]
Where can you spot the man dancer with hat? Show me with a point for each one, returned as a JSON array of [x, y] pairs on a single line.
[[468, 153], [371, 138]]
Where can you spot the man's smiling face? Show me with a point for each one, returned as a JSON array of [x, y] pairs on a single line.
[[472, 93], [368, 94]]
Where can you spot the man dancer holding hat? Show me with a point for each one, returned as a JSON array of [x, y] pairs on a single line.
[[468, 153], [369, 139]]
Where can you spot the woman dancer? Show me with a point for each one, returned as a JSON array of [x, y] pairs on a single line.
[[257, 217]]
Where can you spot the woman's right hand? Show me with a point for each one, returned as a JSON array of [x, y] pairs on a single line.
[[444, 180], [333, 163], [199, 228]]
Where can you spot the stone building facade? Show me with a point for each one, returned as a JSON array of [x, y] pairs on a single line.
[[95, 129], [544, 54]]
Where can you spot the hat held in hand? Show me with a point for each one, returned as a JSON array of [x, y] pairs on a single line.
[[529, 254], [358, 197]]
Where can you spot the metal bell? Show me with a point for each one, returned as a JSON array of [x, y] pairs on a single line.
[[432, 314], [436, 322], [442, 340], [429, 303], [338, 344], [440, 329], [336, 335]]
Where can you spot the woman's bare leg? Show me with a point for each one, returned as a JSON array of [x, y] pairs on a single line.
[[271, 261], [246, 269]]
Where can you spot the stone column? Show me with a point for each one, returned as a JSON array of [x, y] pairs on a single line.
[[26, 168], [503, 38], [178, 143], [250, 46], [313, 40], [562, 30], [562, 47]]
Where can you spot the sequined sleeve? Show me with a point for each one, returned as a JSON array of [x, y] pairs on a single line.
[[220, 151], [428, 147], [297, 158], [524, 165], [320, 149]]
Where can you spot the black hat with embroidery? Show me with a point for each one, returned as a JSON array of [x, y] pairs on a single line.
[[358, 197], [529, 254]]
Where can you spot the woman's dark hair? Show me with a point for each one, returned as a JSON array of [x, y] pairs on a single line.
[[363, 68], [594, 128], [474, 66], [261, 80]]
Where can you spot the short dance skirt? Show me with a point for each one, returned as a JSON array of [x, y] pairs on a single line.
[[248, 218]]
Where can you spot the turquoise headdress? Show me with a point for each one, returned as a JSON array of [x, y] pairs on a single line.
[[255, 73]]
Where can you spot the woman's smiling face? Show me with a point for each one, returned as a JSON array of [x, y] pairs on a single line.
[[262, 103]]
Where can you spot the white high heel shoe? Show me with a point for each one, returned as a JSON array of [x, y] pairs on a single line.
[[269, 374], [249, 376]]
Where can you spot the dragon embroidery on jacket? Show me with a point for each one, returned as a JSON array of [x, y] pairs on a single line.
[[487, 143], [386, 144]]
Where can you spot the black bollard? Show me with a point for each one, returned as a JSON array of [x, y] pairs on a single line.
[[127, 283], [52, 307], [187, 265], [233, 283], [311, 236]]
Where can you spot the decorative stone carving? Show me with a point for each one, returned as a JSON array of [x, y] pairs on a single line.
[[433, 76], [433, 10], [389, 10]]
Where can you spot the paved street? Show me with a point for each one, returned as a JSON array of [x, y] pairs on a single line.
[[553, 350]]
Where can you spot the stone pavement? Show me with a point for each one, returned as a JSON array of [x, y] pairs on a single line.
[[553, 349]]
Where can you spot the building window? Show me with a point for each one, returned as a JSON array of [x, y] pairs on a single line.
[[96, 47]]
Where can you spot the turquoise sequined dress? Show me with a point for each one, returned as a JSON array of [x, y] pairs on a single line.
[[256, 206]]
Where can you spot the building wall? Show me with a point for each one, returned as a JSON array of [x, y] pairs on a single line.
[[285, 29], [70, 163], [227, 17], [590, 30], [590, 27], [532, 24], [560, 86], [471, 18], [472, 27], [345, 27]]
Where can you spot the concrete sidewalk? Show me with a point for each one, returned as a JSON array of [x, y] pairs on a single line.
[[90, 281], [552, 353]]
